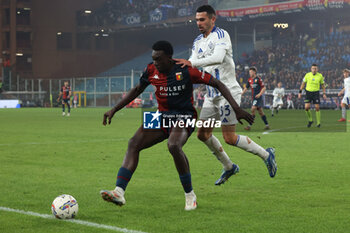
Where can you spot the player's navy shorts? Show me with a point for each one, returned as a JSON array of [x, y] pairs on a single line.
[[312, 97], [66, 101], [258, 102]]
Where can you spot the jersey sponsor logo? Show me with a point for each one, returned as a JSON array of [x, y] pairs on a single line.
[[200, 50], [172, 88], [151, 120], [157, 120], [179, 76]]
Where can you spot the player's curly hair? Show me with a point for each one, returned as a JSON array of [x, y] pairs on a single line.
[[164, 46]]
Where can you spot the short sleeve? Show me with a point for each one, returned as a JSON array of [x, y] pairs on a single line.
[[305, 78], [322, 79], [199, 76], [144, 77], [261, 83], [247, 84], [223, 39]]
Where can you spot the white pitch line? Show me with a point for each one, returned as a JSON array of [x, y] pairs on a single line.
[[62, 142], [81, 222]]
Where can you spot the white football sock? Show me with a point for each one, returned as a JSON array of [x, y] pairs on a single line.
[[272, 110], [343, 112], [216, 148], [248, 145]]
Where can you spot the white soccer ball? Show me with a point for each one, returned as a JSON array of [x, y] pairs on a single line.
[[64, 207]]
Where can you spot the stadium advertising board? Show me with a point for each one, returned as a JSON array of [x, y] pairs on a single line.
[[283, 7], [185, 11], [158, 14], [132, 19]]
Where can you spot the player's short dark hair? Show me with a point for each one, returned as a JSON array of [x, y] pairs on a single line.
[[207, 8], [164, 46], [346, 71], [314, 64], [253, 68]]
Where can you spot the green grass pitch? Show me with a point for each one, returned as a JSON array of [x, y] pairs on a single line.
[[43, 155]]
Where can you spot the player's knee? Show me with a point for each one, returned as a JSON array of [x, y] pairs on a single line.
[[174, 148], [133, 144], [203, 136], [231, 140]]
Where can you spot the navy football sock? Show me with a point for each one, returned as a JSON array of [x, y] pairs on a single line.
[[68, 105], [186, 182], [63, 108], [124, 176], [264, 119]]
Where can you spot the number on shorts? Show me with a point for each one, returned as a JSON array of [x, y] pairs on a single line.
[[227, 110]]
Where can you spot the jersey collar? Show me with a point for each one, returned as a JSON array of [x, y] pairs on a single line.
[[214, 28]]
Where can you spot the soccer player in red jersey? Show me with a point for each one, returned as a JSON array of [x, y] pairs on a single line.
[[258, 89], [174, 93], [65, 93]]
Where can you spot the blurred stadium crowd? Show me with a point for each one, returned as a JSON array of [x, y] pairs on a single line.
[[116, 12], [290, 58]]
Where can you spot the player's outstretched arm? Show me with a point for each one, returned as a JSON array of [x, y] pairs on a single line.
[[244, 90], [261, 92], [301, 89], [130, 96], [240, 113], [341, 92], [216, 58], [324, 91], [59, 96]]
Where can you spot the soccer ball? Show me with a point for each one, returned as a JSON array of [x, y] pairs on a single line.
[[64, 207]]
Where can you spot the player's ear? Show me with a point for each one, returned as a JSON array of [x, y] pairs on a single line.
[[213, 18]]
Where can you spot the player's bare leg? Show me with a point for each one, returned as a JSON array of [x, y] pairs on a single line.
[[177, 139], [141, 140], [308, 114], [245, 143], [214, 145]]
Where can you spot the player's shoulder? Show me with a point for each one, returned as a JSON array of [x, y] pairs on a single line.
[[198, 38], [308, 74], [150, 66], [319, 74], [221, 33]]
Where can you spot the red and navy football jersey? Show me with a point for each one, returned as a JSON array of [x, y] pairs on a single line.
[[65, 92], [256, 84], [174, 91]]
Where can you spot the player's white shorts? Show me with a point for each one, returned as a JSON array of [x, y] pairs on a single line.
[[346, 100], [220, 109], [277, 102]]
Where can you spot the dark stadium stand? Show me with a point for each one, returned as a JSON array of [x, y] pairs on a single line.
[[140, 62]]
